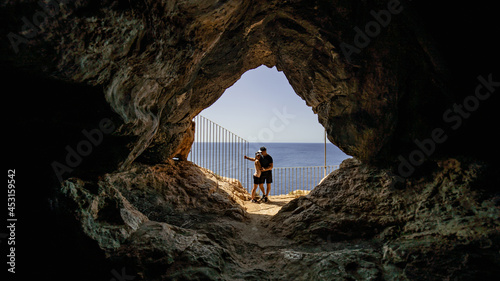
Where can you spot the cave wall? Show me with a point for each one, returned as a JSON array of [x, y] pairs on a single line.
[[160, 63], [150, 66]]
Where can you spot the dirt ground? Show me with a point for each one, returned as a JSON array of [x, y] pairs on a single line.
[[271, 207], [255, 231]]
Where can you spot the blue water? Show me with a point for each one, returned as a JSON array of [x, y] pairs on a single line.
[[302, 154]]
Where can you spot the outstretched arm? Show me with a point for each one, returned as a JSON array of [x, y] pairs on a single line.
[[249, 158]]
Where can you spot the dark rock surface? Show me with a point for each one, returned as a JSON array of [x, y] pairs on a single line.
[[159, 63], [149, 67], [162, 224], [442, 225]]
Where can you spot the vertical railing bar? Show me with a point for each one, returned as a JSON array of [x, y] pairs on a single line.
[[216, 151], [198, 152], [208, 145], [318, 172], [210, 150], [234, 159], [224, 161], [314, 181], [242, 159], [296, 180], [202, 151], [238, 158], [213, 146], [249, 176], [308, 183], [195, 151], [314, 178], [289, 181], [307, 178], [237, 161], [190, 158], [205, 150], [198, 157], [231, 143], [301, 186], [220, 151], [207, 155], [281, 182], [225, 158], [200, 133], [300, 179], [302, 173], [202, 136], [230, 155]]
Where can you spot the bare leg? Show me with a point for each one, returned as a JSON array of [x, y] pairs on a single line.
[[253, 190], [262, 188], [268, 189]]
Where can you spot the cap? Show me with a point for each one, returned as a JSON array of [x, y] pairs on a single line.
[[263, 148]]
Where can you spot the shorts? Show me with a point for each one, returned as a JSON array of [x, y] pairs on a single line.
[[256, 180], [266, 177]]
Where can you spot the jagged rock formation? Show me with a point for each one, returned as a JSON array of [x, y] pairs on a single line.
[[161, 62], [443, 221], [357, 224], [150, 66], [153, 219]]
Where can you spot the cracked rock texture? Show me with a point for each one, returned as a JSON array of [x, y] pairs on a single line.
[[150, 66], [160, 63], [358, 224], [442, 224]]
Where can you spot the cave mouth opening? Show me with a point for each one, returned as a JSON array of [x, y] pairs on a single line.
[[262, 109]]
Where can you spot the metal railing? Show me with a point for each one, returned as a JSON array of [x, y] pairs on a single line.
[[290, 179], [219, 150]]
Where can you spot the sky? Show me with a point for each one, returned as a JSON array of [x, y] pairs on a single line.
[[262, 107]]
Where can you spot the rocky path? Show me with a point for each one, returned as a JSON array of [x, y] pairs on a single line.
[[255, 231], [257, 248], [265, 255], [270, 208]]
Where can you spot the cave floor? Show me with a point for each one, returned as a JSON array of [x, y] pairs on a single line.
[[261, 252], [270, 208], [255, 231]]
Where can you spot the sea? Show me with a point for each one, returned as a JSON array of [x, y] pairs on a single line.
[[298, 166], [302, 154]]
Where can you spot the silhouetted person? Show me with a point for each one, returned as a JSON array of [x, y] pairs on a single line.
[[266, 176], [256, 176]]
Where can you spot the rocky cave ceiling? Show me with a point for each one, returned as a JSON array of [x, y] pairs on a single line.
[[367, 69]]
